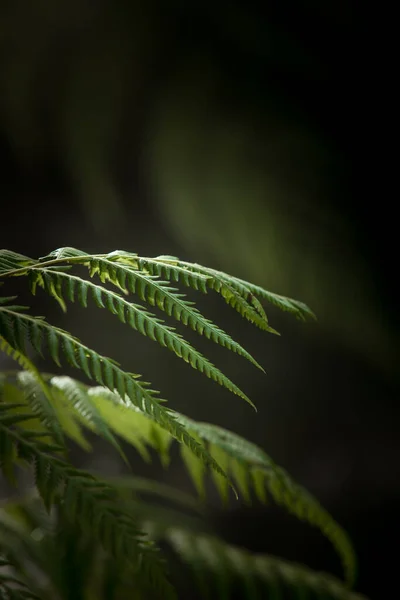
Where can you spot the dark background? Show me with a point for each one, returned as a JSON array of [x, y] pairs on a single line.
[[238, 135]]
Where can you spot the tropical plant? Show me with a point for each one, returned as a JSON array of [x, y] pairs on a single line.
[[79, 535]]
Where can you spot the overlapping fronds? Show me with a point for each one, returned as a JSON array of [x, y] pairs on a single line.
[[251, 469], [137, 317], [38, 411], [138, 276], [253, 472], [150, 279], [15, 325], [86, 500]]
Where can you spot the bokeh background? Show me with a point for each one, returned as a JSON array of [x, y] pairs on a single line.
[[237, 135]]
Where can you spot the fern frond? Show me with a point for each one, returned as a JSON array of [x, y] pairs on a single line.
[[168, 299], [138, 317], [253, 469], [250, 467], [247, 290], [103, 370], [257, 575], [178, 271], [89, 503], [241, 295]]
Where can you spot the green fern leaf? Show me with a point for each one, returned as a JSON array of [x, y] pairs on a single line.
[[169, 300], [184, 273], [125, 270], [246, 290], [145, 322], [238, 293], [300, 310]]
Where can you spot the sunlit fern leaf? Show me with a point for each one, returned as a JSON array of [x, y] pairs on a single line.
[[74, 394], [122, 268], [140, 319], [224, 284], [106, 372], [171, 301], [88, 502], [178, 271], [257, 575]]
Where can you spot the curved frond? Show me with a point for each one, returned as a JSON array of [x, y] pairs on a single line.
[[253, 469]]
